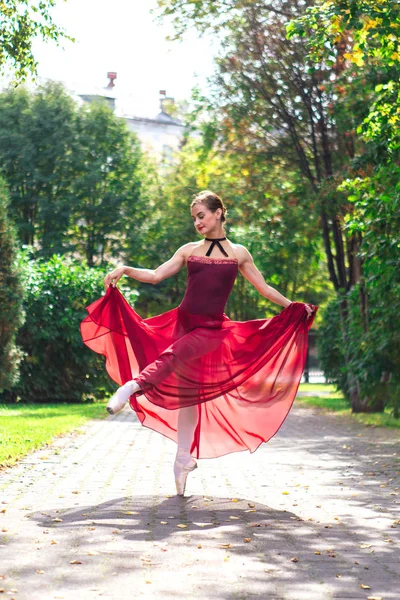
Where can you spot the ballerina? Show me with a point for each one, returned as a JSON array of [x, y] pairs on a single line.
[[211, 384]]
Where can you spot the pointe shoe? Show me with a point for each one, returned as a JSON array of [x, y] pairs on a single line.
[[181, 471], [121, 397]]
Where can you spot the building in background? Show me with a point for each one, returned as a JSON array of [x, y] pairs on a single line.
[[161, 136]]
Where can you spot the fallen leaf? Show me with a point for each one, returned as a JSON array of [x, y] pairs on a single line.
[[39, 571], [250, 505], [225, 546], [130, 512], [232, 500], [234, 518], [317, 552], [57, 520], [93, 553], [339, 575], [374, 598], [255, 525], [250, 510], [182, 525], [147, 580], [285, 493], [199, 546], [75, 562], [294, 559], [75, 492], [53, 542], [365, 546], [3, 510], [247, 540], [365, 587], [164, 522], [226, 558], [4, 530]]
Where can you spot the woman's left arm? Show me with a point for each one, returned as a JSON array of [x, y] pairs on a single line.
[[249, 270]]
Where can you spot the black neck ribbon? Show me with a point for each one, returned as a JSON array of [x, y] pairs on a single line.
[[216, 242]]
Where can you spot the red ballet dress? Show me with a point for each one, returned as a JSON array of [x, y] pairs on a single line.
[[242, 376]]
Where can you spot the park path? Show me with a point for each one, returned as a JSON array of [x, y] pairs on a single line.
[[312, 515]]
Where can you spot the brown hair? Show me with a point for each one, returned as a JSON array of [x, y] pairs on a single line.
[[212, 201]]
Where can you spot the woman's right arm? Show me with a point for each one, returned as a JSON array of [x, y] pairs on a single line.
[[167, 269]]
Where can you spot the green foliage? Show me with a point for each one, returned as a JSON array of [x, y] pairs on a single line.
[[363, 36], [72, 173], [107, 187], [11, 295], [21, 22], [38, 159], [371, 27], [370, 353], [57, 366], [331, 348]]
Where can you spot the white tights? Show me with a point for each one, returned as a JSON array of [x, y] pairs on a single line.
[[187, 420]]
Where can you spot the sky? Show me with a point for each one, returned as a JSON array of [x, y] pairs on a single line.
[[122, 36]]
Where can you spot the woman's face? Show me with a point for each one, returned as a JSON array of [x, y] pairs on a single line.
[[204, 220]]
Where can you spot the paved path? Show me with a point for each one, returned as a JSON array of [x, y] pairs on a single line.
[[312, 515]]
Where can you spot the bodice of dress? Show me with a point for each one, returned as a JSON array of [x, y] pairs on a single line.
[[209, 283]]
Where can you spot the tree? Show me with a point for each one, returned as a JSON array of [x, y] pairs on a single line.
[[107, 207], [72, 172], [272, 97], [38, 159], [21, 22], [363, 35], [11, 297]]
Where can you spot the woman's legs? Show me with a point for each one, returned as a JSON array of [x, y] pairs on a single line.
[[184, 463], [187, 421]]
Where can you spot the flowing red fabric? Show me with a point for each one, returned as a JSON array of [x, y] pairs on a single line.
[[242, 376]]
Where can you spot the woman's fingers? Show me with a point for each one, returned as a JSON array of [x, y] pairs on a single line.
[[109, 279], [310, 310]]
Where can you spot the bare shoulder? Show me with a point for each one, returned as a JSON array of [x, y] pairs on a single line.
[[187, 249], [241, 253]]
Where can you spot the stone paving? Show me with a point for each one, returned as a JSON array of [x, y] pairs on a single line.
[[312, 515]]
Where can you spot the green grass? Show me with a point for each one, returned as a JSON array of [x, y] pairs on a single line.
[[317, 387], [334, 402], [26, 427]]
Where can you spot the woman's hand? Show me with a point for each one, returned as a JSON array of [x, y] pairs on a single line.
[[113, 277], [310, 308]]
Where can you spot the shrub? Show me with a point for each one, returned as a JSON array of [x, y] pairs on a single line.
[[57, 366], [11, 297]]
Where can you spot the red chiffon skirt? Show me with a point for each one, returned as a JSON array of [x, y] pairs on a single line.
[[242, 377]]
